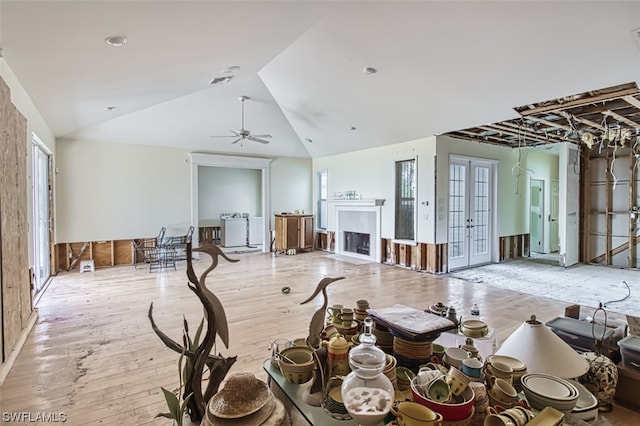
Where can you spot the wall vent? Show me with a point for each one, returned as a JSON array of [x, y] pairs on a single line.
[[636, 36], [220, 80]]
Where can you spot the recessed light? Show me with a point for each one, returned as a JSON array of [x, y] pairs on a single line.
[[309, 140], [369, 71], [230, 69], [352, 128], [116, 41], [109, 108]]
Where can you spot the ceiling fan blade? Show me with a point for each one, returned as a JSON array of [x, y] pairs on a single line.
[[235, 134], [253, 138], [236, 141]]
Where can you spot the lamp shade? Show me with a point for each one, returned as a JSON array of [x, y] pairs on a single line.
[[543, 351]]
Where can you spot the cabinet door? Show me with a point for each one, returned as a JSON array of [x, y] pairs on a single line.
[[293, 232], [281, 233], [307, 232]]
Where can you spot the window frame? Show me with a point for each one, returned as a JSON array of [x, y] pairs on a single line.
[[402, 236], [322, 202]]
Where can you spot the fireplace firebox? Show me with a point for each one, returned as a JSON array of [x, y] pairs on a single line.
[[356, 242]]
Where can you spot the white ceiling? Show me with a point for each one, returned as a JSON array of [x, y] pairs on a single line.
[[442, 66]]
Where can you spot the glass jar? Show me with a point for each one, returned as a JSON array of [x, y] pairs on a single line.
[[367, 393]]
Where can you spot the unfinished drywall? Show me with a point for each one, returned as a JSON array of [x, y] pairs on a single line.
[[16, 291]]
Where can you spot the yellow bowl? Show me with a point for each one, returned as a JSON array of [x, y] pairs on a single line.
[[298, 365]]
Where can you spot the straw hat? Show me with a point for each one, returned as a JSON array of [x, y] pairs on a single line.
[[243, 394]]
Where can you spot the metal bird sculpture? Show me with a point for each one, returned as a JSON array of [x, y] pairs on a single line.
[[222, 327], [198, 353], [317, 320]]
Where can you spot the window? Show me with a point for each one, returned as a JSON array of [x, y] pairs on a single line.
[[322, 200], [405, 199]]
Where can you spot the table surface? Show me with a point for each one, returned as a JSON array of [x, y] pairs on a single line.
[[313, 415]]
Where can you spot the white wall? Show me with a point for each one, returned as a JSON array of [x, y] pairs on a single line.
[[371, 173], [511, 189], [228, 190], [109, 191], [291, 189]]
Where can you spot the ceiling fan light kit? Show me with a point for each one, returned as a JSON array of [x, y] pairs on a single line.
[[244, 134]]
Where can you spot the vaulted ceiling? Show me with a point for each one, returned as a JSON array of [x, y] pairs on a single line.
[[441, 67]]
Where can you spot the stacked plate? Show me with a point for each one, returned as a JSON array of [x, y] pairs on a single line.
[[390, 370], [350, 330], [412, 349], [333, 405], [245, 401], [384, 339], [546, 390]]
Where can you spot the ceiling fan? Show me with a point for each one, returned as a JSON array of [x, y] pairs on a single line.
[[244, 134]]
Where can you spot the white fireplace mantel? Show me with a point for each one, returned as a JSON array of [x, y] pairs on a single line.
[[369, 202], [360, 216]]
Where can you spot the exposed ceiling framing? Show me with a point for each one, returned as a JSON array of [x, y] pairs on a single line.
[[588, 118]]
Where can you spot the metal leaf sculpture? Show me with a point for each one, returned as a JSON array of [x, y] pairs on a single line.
[[198, 354]]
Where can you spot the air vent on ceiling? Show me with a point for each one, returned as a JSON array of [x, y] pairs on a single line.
[[220, 80], [636, 36]]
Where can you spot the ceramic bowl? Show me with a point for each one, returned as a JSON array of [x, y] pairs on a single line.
[[454, 356], [452, 411], [298, 366], [546, 390], [474, 328]]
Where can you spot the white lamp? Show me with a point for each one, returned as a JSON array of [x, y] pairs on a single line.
[[542, 351]]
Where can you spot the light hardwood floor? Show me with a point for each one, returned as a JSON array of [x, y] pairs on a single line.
[[93, 356]]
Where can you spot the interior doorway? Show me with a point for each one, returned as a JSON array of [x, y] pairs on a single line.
[[536, 216], [470, 212], [262, 164]]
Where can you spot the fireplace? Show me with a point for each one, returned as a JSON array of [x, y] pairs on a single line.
[[357, 225], [356, 242]]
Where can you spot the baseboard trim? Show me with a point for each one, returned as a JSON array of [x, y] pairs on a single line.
[[13, 355]]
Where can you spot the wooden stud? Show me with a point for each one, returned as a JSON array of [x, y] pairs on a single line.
[[608, 204], [631, 255]]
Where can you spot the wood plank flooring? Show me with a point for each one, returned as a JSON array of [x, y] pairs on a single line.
[[93, 356]]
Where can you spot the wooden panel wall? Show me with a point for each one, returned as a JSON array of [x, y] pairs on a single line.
[[513, 246], [421, 256], [15, 279], [103, 253]]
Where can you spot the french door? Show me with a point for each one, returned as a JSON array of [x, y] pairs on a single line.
[[470, 212], [41, 216]]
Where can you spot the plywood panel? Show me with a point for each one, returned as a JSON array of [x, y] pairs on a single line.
[[101, 252], [122, 252], [16, 286]]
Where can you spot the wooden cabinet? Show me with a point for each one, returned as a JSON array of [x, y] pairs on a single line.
[[294, 231]]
